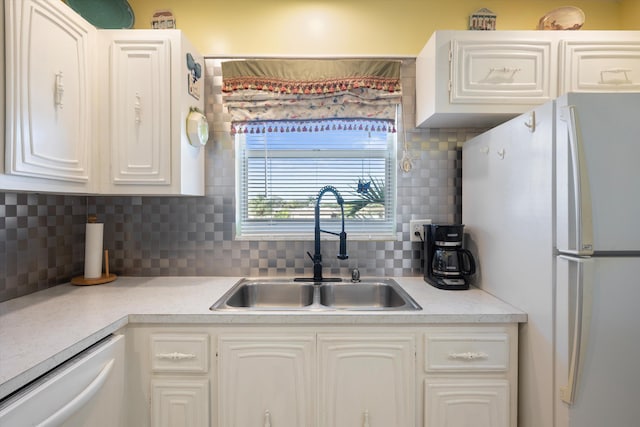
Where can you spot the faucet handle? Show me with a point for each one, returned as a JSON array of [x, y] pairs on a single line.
[[343, 246], [355, 275]]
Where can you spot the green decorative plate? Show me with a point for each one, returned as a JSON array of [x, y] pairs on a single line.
[[111, 14]]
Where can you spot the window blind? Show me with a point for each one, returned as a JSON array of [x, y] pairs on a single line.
[[280, 174]]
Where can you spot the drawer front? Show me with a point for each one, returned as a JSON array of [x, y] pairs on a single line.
[[179, 353], [500, 73], [467, 352], [600, 67]]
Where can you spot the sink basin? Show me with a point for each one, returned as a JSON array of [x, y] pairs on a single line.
[[270, 294], [376, 295], [288, 294]]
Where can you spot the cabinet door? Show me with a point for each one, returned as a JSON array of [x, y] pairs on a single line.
[[500, 72], [140, 73], [266, 380], [463, 403], [180, 402], [366, 381], [597, 66], [49, 71]]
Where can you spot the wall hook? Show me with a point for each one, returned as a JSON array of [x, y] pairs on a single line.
[[531, 124]]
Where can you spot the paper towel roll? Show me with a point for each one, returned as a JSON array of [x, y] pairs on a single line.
[[93, 251]]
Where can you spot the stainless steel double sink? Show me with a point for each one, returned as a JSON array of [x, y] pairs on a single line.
[[288, 294]]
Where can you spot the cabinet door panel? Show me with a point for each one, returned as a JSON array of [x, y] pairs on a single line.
[[500, 72], [180, 403], [49, 72], [480, 403], [140, 111], [266, 380], [588, 66], [366, 380]]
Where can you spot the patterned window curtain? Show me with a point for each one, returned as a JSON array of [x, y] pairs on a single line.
[[311, 91]]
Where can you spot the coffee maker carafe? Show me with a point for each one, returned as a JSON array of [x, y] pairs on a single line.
[[447, 265]]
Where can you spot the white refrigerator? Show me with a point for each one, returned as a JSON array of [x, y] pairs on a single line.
[[551, 207]]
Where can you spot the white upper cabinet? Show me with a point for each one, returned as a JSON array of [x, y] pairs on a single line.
[[50, 74], [483, 78], [99, 111], [476, 78], [604, 61], [151, 89]]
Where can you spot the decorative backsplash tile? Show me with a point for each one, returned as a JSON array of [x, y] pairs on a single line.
[[41, 241], [42, 236]]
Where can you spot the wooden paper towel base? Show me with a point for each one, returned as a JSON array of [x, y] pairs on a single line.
[[105, 278], [81, 280]]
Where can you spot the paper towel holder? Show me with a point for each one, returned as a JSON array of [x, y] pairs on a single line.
[[105, 278]]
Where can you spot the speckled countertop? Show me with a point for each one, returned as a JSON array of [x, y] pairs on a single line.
[[41, 330]]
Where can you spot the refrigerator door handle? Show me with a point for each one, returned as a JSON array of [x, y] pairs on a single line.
[[582, 191], [581, 322]]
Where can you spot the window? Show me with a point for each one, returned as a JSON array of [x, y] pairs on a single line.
[[281, 167]]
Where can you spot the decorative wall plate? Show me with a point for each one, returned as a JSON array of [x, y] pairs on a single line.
[[197, 128], [109, 14], [562, 18]]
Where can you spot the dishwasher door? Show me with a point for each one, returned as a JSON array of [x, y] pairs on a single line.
[[87, 390]]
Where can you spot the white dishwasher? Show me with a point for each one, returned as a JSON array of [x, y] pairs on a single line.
[[87, 390]]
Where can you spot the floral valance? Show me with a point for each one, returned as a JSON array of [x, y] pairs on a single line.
[[314, 89], [312, 76]]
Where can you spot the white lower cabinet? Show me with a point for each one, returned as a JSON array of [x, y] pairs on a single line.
[[169, 376], [470, 376], [294, 378], [322, 376], [366, 380], [266, 380]]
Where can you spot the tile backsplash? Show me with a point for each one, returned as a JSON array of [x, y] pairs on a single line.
[[41, 241], [42, 236]]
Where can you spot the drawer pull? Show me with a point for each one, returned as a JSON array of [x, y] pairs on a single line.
[[267, 418], [469, 355], [138, 109], [175, 356], [59, 90], [366, 419], [501, 75], [616, 81]]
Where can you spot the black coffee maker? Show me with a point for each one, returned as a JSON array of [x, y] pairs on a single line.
[[446, 264]]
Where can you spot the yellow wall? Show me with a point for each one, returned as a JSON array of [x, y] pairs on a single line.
[[355, 27], [630, 13]]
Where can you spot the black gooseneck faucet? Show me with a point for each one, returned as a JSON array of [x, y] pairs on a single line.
[[317, 256]]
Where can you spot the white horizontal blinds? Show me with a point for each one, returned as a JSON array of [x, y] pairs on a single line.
[[280, 174]]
